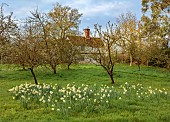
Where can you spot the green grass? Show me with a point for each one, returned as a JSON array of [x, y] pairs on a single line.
[[122, 111]]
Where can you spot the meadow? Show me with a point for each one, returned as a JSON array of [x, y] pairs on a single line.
[[85, 93]]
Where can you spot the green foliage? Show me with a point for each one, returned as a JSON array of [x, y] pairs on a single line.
[[155, 28], [7, 31], [63, 20]]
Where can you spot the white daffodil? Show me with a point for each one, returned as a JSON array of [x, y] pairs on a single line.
[[94, 100], [49, 100], [51, 92]]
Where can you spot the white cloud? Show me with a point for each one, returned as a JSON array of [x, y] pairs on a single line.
[[91, 8], [94, 11], [104, 8]]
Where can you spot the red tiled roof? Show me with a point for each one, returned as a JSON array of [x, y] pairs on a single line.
[[82, 41]]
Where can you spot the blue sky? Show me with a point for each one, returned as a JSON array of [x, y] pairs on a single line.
[[94, 11]]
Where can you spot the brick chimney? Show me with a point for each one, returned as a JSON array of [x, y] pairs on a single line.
[[87, 33]]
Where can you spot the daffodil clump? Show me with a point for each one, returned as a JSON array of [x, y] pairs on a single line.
[[143, 93], [84, 98]]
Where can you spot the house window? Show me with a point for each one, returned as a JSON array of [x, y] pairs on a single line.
[[82, 58], [82, 48]]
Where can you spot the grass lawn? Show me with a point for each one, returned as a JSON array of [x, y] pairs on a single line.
[[126, 109]]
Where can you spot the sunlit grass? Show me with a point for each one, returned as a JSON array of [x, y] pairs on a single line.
[[86, 99], [142, 98]]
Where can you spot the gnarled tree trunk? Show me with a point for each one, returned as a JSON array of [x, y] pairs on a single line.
[[110, 73], [111, 76], [112, 79], [54, 68], [131, 60], [69, 65], [33, 74]]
